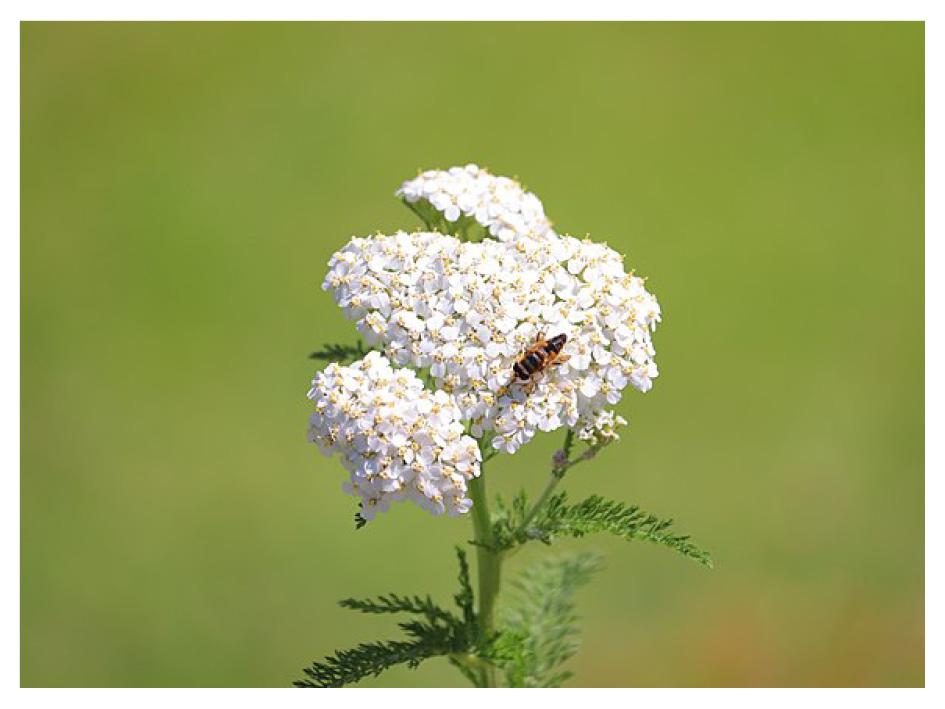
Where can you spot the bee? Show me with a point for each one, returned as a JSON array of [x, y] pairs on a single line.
[[540, 355]]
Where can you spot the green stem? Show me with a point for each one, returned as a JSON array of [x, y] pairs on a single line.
[[489, 567], [549, 488], [557, 475]]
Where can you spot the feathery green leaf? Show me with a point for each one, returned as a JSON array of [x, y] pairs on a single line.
[[342, 354], [539, 625], [440, 632], [595, 514], [367, 659], [465, 598], [392, 603]]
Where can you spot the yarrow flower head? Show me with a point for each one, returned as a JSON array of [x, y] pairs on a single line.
[[398, 440], [499, 204], [467, 311]]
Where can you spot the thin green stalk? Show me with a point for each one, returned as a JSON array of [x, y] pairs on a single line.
[[488, 564], [536, 508], [557, 475]]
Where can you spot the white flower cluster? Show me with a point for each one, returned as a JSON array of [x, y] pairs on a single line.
[[398, 440], [468, 311], [602, 429], [497, 203]]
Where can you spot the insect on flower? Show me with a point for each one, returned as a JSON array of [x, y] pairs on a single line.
[[540, 355]]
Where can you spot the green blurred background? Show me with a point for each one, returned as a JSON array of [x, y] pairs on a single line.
[[183, 186]]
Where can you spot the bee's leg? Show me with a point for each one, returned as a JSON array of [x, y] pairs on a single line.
[[560, 359]]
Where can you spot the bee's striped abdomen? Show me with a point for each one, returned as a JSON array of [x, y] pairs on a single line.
[[532, 363], [528, 365]]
